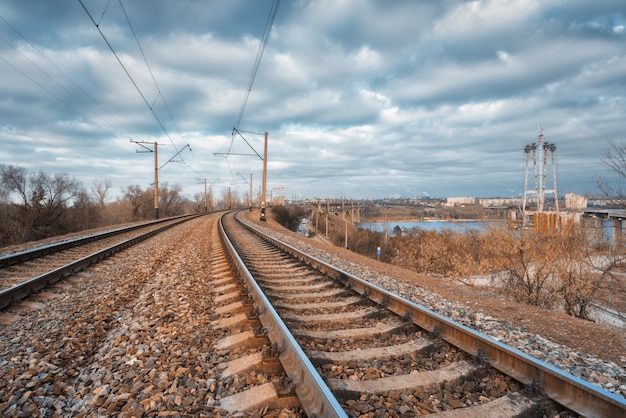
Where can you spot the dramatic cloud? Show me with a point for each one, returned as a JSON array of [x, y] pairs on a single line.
[[360, 98]]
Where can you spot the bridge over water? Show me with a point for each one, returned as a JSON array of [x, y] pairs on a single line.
[[605, 223]]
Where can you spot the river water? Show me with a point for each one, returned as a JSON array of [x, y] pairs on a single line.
[[459, 225]]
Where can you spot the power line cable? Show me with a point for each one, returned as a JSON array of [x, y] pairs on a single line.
[[126, 71], [159, 93], [41, 86], [259, 56], [268, 28], [69, 79], [104, 11], [19, 135]]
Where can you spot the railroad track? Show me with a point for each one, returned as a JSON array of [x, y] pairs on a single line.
[[351, 348], [26, 272], [172, 335], [340, 348]]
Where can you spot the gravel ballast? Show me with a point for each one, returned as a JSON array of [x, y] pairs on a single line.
[[599, 353], [130, 336]]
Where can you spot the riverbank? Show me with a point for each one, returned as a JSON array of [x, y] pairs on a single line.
[[417, 220]]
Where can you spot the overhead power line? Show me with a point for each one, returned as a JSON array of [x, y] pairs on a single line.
[[259, 56], [159, 93], [126, 71], [255, 68], [50, 77]]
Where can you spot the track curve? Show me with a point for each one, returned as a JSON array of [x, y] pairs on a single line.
[[332, 315], [176, 329]]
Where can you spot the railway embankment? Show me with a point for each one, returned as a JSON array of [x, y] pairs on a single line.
[[593, 352]]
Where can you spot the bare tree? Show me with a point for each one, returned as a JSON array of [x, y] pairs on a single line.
[[614, 158], [85, 212], [40, 202], [171, 200], [527, 263], [451, 253], [230, 198], [613, 275], [101, 190], [13, 190], [14, 181], [139, 201], [577, 278], [198, 199]]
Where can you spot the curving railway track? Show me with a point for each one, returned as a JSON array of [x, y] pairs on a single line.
[[223, 322], [145, 333], [353, 349]]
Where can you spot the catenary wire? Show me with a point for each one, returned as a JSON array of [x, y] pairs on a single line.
[[41, 86], [268, 28], [259, 56], [159, 92], [160, 123]]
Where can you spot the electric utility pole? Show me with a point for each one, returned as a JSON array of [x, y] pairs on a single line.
[[205, 202], [156, 168], [264, 181], [156, 171], [264, 158]]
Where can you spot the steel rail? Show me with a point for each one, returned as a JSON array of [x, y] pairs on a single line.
[[24, 289], [315, 396], [33, 253], [568, 390]]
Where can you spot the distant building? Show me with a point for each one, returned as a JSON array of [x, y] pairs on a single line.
[[456, 201], [598, 202], [575, 202], [500, 202]]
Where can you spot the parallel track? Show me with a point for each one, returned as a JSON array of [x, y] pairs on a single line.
[[332, 345], [171, 334], [351, 347], [27, 272]]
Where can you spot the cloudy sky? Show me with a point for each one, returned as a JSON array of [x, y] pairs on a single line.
[[360, 98]]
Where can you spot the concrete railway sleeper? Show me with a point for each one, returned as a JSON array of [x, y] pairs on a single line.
[[177, 326], [249, 354], [376, 354], [162, 329], [25, 272]]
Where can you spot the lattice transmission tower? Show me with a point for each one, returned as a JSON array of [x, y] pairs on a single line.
[[539, 153]]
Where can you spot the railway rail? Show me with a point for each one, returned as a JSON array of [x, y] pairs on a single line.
[[226, 323], [353, 348], [26, 272], [144, 336]]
